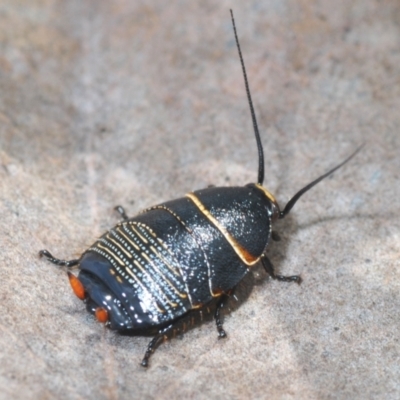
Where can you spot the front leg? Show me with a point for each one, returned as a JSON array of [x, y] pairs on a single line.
[[269, 268]]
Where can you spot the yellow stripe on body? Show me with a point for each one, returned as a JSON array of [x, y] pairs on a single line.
[[132, 226], [268, 194], [155, 283], [128, 270], [127, 238], [150, 261], [113, 255], [112, 240], [162, 258], [177, 271], [244, 255]]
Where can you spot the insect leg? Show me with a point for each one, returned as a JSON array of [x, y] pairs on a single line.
[[269, 268], [121, 211], [62, 263], [217, 316], [154, 343]]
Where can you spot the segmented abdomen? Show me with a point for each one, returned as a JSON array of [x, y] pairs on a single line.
[[142, 259]]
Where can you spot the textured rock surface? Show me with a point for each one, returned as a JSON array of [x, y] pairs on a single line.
[[129, 102]]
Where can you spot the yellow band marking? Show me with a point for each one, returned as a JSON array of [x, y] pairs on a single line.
[[145, 256], [150, 261], [128, 239], [155, 283], [244, 255], [113, 255], [109, 238], [161, 207], [131, 224], [128, 271], [172, 255], [265, 191], [162, 258]]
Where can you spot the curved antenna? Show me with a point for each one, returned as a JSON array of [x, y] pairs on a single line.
[[253, 115], [305, 189]]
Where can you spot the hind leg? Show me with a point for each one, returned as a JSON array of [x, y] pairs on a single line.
[[62, 263], [217, 314], [155, 342]]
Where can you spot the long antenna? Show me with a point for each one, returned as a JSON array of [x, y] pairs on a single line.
[[253, 115], [306, 188]]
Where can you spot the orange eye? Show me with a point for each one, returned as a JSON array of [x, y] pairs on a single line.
[[77, 286], [101, 314]]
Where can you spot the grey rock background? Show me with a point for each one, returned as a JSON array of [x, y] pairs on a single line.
[[134, 102]]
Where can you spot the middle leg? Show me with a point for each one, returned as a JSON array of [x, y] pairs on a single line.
[[269, 268]]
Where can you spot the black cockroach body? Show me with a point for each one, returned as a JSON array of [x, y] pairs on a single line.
[[149, 271]]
